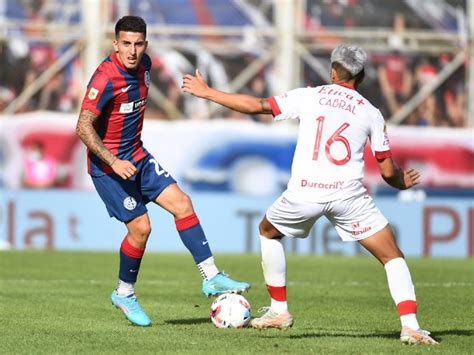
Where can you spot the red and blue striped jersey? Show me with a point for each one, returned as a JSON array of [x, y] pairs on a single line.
[[119, 98]]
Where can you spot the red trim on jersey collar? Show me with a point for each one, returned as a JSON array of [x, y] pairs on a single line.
[[346, 85]]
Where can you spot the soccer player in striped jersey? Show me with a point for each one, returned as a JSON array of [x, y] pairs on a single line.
[[326, 180], [127, 176]]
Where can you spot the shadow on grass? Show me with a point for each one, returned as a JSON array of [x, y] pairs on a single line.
[[188, 321], [438, 335]]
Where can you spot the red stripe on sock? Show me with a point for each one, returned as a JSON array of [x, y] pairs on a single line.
[[130, 251], [186, 222], [277, 293], [406, 307]]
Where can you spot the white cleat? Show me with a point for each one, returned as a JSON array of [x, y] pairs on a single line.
[[272, 319], [420, 336]]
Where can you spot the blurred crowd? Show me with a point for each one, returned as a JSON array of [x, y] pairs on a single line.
[[393, 77]]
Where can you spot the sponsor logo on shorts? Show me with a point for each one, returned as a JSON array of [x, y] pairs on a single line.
[[129, 203], [359, 231]]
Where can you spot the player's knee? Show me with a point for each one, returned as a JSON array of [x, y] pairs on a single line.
[[141, 231], [183, 207], [390, 256]]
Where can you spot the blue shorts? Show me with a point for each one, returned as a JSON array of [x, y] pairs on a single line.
[[126, 199]]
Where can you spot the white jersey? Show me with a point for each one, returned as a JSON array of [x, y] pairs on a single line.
[[335, 124]]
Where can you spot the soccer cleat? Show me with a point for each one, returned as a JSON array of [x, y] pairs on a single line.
[[222, 283], [272, 319], [420, 336], [131, 308]]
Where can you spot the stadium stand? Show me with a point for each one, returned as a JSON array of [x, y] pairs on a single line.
[[397, 71]]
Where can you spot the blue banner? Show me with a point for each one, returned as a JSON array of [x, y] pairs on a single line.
[[75, 220]]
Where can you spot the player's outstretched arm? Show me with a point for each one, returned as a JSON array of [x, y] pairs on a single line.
[[397, 177], [87, 133], [197, 86]]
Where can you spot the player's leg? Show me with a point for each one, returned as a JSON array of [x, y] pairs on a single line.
[[131, 253], [357, 218], [274, 273], [175, 201], [124, 202], [383, 246], [283, 218]]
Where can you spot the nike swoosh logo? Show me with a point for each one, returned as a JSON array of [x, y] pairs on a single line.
[[126, 89], [131, 270], [204, 243]]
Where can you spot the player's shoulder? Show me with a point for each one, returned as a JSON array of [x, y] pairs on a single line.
[[105, 70], [372, 110]]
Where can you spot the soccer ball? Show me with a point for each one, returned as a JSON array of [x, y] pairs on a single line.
[[230, 311]]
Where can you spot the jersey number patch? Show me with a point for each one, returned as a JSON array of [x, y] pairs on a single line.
[[159, 171], [336, 137]]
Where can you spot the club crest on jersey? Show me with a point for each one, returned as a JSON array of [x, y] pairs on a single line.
[[93, 92], [147, 78], [129, 203]]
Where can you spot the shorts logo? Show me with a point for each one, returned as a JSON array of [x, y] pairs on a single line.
[[93, 92], [129, 203], [147, 78]]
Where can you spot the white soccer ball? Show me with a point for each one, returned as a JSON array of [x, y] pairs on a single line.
[[230, 311]]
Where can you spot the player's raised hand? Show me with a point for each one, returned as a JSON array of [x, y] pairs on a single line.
[[411, 178], [124, 168], [195, 85]]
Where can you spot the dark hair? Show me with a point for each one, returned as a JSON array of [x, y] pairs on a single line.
[[345, 76], [130, 24]]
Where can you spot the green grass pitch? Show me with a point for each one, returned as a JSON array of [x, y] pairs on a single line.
[[58, 302]]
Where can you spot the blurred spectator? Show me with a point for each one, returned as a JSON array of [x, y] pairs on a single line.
[[429, 113], [454, 100], [395, 81], [389, 85], [6, 96], [40, 170]]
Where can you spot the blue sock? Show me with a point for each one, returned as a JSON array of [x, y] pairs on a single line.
[[193, 238], [130, 259]]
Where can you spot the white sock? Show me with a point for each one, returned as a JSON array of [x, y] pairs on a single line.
[[274, 268], [208, 268], [125, 288], [401, 288], [410, 321], [279, 306]]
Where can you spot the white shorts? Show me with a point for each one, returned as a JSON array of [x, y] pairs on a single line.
[[355, 218]]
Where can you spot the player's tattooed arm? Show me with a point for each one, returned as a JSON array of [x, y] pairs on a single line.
[[86, 131]]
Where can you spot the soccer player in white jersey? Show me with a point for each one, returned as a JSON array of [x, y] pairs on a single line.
[[326, 180]]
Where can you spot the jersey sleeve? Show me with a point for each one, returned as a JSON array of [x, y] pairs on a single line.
[[379, 141], [99, 93], [287, 106]]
